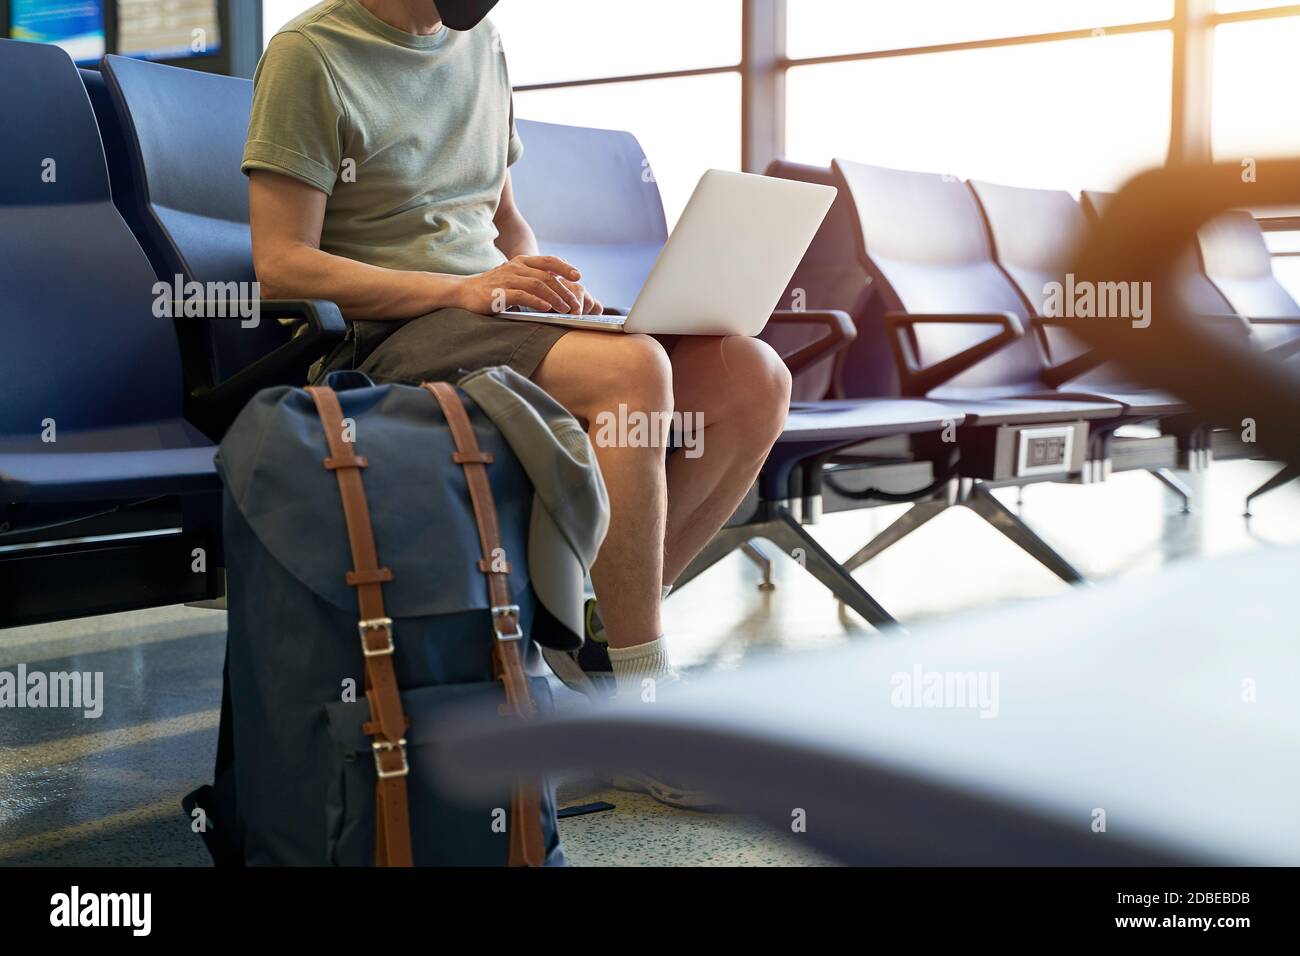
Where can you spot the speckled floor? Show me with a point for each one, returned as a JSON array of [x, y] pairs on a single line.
[[106, 791], [641, 832]]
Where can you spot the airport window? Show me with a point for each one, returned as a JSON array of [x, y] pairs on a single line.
[[1254, 84], [276, 13], [1237, 6], [594, 39], [1253, 80], [702, 111], [619, 81], [1070, 114], [700, 106], [1285, 248], [875, 25]]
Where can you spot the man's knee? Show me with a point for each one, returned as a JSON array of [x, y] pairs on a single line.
[[635, 371], [758, 383]]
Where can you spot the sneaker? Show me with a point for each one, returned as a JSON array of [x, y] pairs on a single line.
[[586, 670], [676, 794]]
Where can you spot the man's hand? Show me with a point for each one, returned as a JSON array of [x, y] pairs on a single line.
[[589, 304], [535, 283]]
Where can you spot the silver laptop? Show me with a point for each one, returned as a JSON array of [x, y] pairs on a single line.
[[726, 263]]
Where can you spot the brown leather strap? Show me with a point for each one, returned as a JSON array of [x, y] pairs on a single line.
[[388, 723], [527, 846]]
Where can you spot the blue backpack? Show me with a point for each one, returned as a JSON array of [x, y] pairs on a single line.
[[368, 599]]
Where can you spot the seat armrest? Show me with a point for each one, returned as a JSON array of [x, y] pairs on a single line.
[[917, 380], [318, 314], [840, 333], [1231, 321], [213, 407], [1283, 350], [1054, 376], [1057, 375]]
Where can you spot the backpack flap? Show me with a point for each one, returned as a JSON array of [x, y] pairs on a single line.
[[271, 462]]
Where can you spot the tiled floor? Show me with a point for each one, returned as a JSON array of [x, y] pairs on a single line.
[[107, 791]]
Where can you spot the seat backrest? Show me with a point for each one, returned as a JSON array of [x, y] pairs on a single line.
[[828, 277], [1198, 293], [1035, 233], [187, 201], [1239, 264], [590, 199], [82, 345], [1094, 203], [120, 177], [924, 240]]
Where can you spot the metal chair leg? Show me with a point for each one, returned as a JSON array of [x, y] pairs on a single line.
[[1285, 476], [1175, 484], [902, 526], [792, 538], [724, 542], [787, 534], [755, 553], [981, 501]]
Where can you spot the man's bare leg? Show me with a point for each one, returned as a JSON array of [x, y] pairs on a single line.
[[742, 388], [661, 518], [594, 372]]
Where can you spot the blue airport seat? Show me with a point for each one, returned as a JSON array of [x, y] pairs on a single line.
[[84, 349], [826, 279], [1237, 261], [103, 464], [91, 403], [924, 241], [1193, 285], [1034, 232], [588, 195], [1143, 232], [188, 207], [184, 131], [1229, 271], [925, 236]]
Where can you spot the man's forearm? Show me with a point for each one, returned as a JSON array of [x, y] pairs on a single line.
[[515, 237], [360, 290]]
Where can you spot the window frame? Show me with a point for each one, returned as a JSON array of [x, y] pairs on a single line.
[[764, 66]]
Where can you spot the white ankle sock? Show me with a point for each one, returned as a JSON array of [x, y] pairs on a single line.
[[634, 665]]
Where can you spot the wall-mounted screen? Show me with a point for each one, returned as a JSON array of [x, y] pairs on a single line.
[[75, 25], [167, 29]]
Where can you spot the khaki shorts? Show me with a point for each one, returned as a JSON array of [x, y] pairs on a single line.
[[441, 346]]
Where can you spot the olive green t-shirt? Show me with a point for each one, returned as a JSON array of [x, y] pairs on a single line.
[[409, 136]]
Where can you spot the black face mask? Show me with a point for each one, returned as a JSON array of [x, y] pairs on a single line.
[[463, 14]]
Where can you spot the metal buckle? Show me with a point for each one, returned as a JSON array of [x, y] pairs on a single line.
[[380, 746], [375, 624], [504, 611]]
